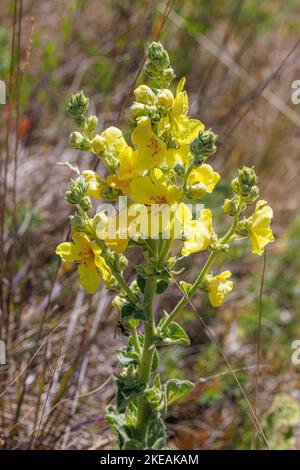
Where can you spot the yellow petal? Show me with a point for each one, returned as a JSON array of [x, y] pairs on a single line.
[[219, 286], [104, 270], [206, 175], [142, 133], [95, 188], [67, 251], [88, 276]]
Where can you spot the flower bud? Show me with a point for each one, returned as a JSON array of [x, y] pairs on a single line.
[[77, 192], [197, 190], [179, 169], [247, 176], [91, 123], [79, 141], [137, 110], [203, 147], [168, 75], [157, 55], [231, 206], [77, 222], [78, 104], [243, 228], [143, 94], [85, 204], [245, 184], [98, 144], [165, 98], [158, 64]]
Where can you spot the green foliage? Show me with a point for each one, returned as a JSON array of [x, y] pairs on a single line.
[[176, 389], [172, 334], [279, 422]]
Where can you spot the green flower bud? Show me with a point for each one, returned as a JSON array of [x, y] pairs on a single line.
[[165, 99], [231, 206], [179, 169], [85, 204], [168, 75], [77, 222], [252, 195], [80, 120], [143, 94], [78, 104], [78, 189], [98, 144], [158, 64], [157, 55], [79, 141], [243, 228], [245, 184], [203, 147], [91, 123], [247, 176]]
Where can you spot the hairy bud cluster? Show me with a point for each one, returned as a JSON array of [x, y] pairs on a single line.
[[203, 146], [77, 194], [78, 106], [244, 184], [158, 65]]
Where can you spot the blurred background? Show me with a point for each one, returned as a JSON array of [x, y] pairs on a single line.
[[240, 59]]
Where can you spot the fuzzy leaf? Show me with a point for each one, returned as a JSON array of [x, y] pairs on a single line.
[[173, 334], [177, 388]]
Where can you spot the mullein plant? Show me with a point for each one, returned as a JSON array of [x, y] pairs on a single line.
[[165, 164]]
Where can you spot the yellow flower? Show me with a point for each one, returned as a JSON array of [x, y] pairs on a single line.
[[203, 180], [96, 187], [199, 233], [154, 189], [259, 227], [127, 171], [151, 149], [114, 140], [184, 129], [87, 255], [218, 287]]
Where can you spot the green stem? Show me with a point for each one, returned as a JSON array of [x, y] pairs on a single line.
[[119, 277], [165, 251], [147, 357], [186, 298]]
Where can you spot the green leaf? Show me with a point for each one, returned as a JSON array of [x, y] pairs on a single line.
[[185, 287], [132, 444], [154, 361], [173, 334], [128, 388], [118, 424], [177, 388], [156, 436]]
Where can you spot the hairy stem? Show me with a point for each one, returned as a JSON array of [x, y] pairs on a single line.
[[147, 357]]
